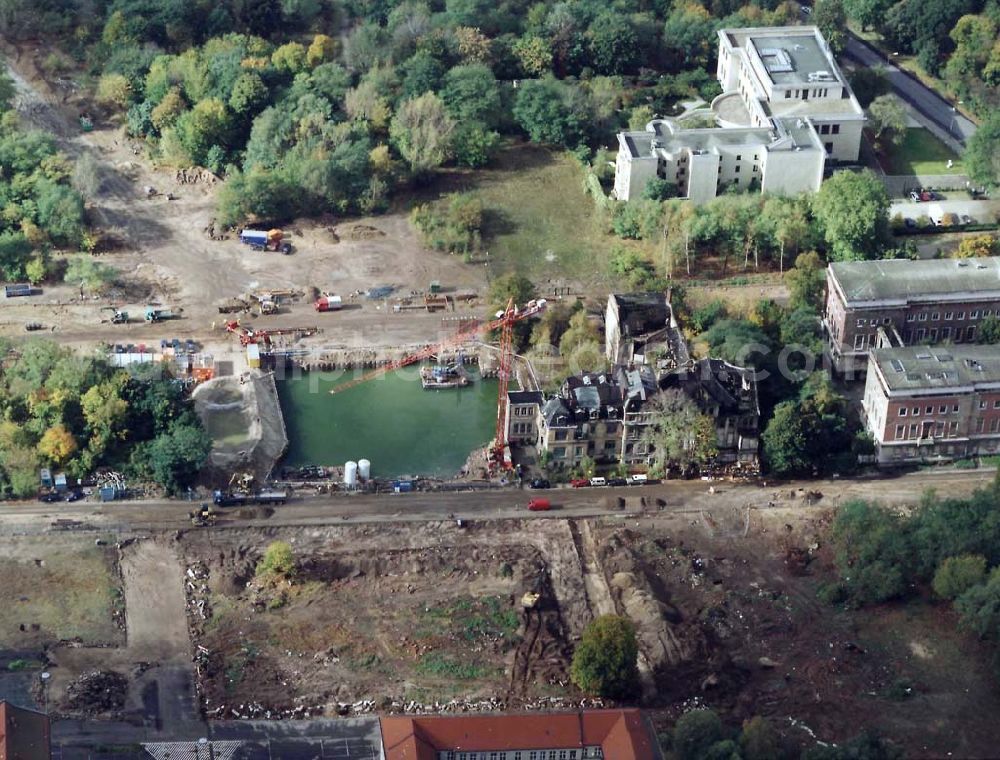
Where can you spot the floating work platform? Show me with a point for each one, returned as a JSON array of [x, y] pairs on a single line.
[[438, 376]]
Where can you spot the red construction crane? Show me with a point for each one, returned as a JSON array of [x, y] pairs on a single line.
[[504, 321]]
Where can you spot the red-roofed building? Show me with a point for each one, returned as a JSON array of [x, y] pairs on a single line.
[[583, 735], [24, 734]]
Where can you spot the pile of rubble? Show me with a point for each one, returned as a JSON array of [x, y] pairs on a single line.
[[100, 691], [194, 175]]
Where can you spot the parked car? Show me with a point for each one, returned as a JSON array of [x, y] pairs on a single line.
[[598, 482], [579, 482], [910, 224], [539, 505], [617, 482], [966, 219], [540, 483], [74, 496], [915, 196], [50, 497], [638, 480]]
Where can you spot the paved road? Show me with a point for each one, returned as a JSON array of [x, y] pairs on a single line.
[[925, 100]]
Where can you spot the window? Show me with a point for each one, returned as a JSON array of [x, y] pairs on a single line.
[[979, 424], [916, 411], [913, 431], [995, 425], [873, 322], [861, 323], [942, 410], [933, 334], [955, 409], [900, 432], [922, 317], [970, 333], [739, 157], [902, 411], [996, 404], [953, 429], [939, 430], [737, 170], [973, 315], [835, 129], [945, 333], [949, 314], [493, 756], [935, 316], [911, 317], [886, 321], [824, 129], [982, 404], [562, 755], [561, 435], [929, 410], [961, 315], [788, 94], [829, 147]]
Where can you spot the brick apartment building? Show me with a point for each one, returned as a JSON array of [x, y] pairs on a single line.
[[583, 735], [917, 302], [933, 402]]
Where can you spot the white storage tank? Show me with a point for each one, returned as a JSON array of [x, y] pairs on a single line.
[[351, 474], [364, 469]]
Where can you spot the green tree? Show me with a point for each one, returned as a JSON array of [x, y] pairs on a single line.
[[473, 145], [988, 331], [979, 607], [852, 209], [421, 131], [422, 72], [534, 55], [956, 575], [786, 222], [176, 457], [168, 110], [695, 732], [204, 126], [810, 433], [831, 18], [550, 112], [658, 189], [605, 662], [680, 434], [689, 36], [806, 281], [471, 94], [873, 552], [278, 562], [868, 13], [886, 115], [982, 152], [7, 91], [614, 47], [249, 93]]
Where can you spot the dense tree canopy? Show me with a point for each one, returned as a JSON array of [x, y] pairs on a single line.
[[605, 662], [852, 209], [79, 413]]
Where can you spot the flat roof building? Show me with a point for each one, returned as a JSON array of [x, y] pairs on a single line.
[[785, 110], [926, 403], [927, 301], [24, 733]]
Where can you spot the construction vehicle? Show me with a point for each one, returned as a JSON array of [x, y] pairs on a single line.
[[118, 317], [154, 314], [242, 498], [203, 516], [329, 302], [269, 240], [234, 305], [268, 306], [504, 321]]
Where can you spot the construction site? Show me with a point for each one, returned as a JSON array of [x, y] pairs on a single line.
[[390, 612]]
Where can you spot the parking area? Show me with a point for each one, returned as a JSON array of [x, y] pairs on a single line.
[[978, 211]]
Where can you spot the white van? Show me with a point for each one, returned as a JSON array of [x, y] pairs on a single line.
[[637, 480], [598, 482]]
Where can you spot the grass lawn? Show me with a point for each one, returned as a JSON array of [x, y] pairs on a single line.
[[922, 153], [56, 591], [537, 218]]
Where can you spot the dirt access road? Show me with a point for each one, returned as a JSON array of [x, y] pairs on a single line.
[[693, 497], [167, 257]]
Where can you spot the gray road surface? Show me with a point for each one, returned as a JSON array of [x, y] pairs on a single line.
[[925, 100]]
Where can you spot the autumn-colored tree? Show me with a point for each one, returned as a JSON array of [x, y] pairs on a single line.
[[323, 48], [980, 245], [57, 444]]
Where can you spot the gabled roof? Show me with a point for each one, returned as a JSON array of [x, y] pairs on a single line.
[[24, 734], [524, 397], [622, 734]]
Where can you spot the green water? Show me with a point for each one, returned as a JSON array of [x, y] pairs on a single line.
[[390, 420]]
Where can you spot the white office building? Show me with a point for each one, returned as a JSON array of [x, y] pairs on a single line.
[[786, 109]]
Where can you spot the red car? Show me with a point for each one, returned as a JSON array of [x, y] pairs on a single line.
[[579, 482], [539, 505]]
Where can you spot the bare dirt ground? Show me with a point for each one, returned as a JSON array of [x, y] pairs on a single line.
[[167, 257]]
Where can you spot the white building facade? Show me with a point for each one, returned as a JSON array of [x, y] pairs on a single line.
[[786, 109]]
